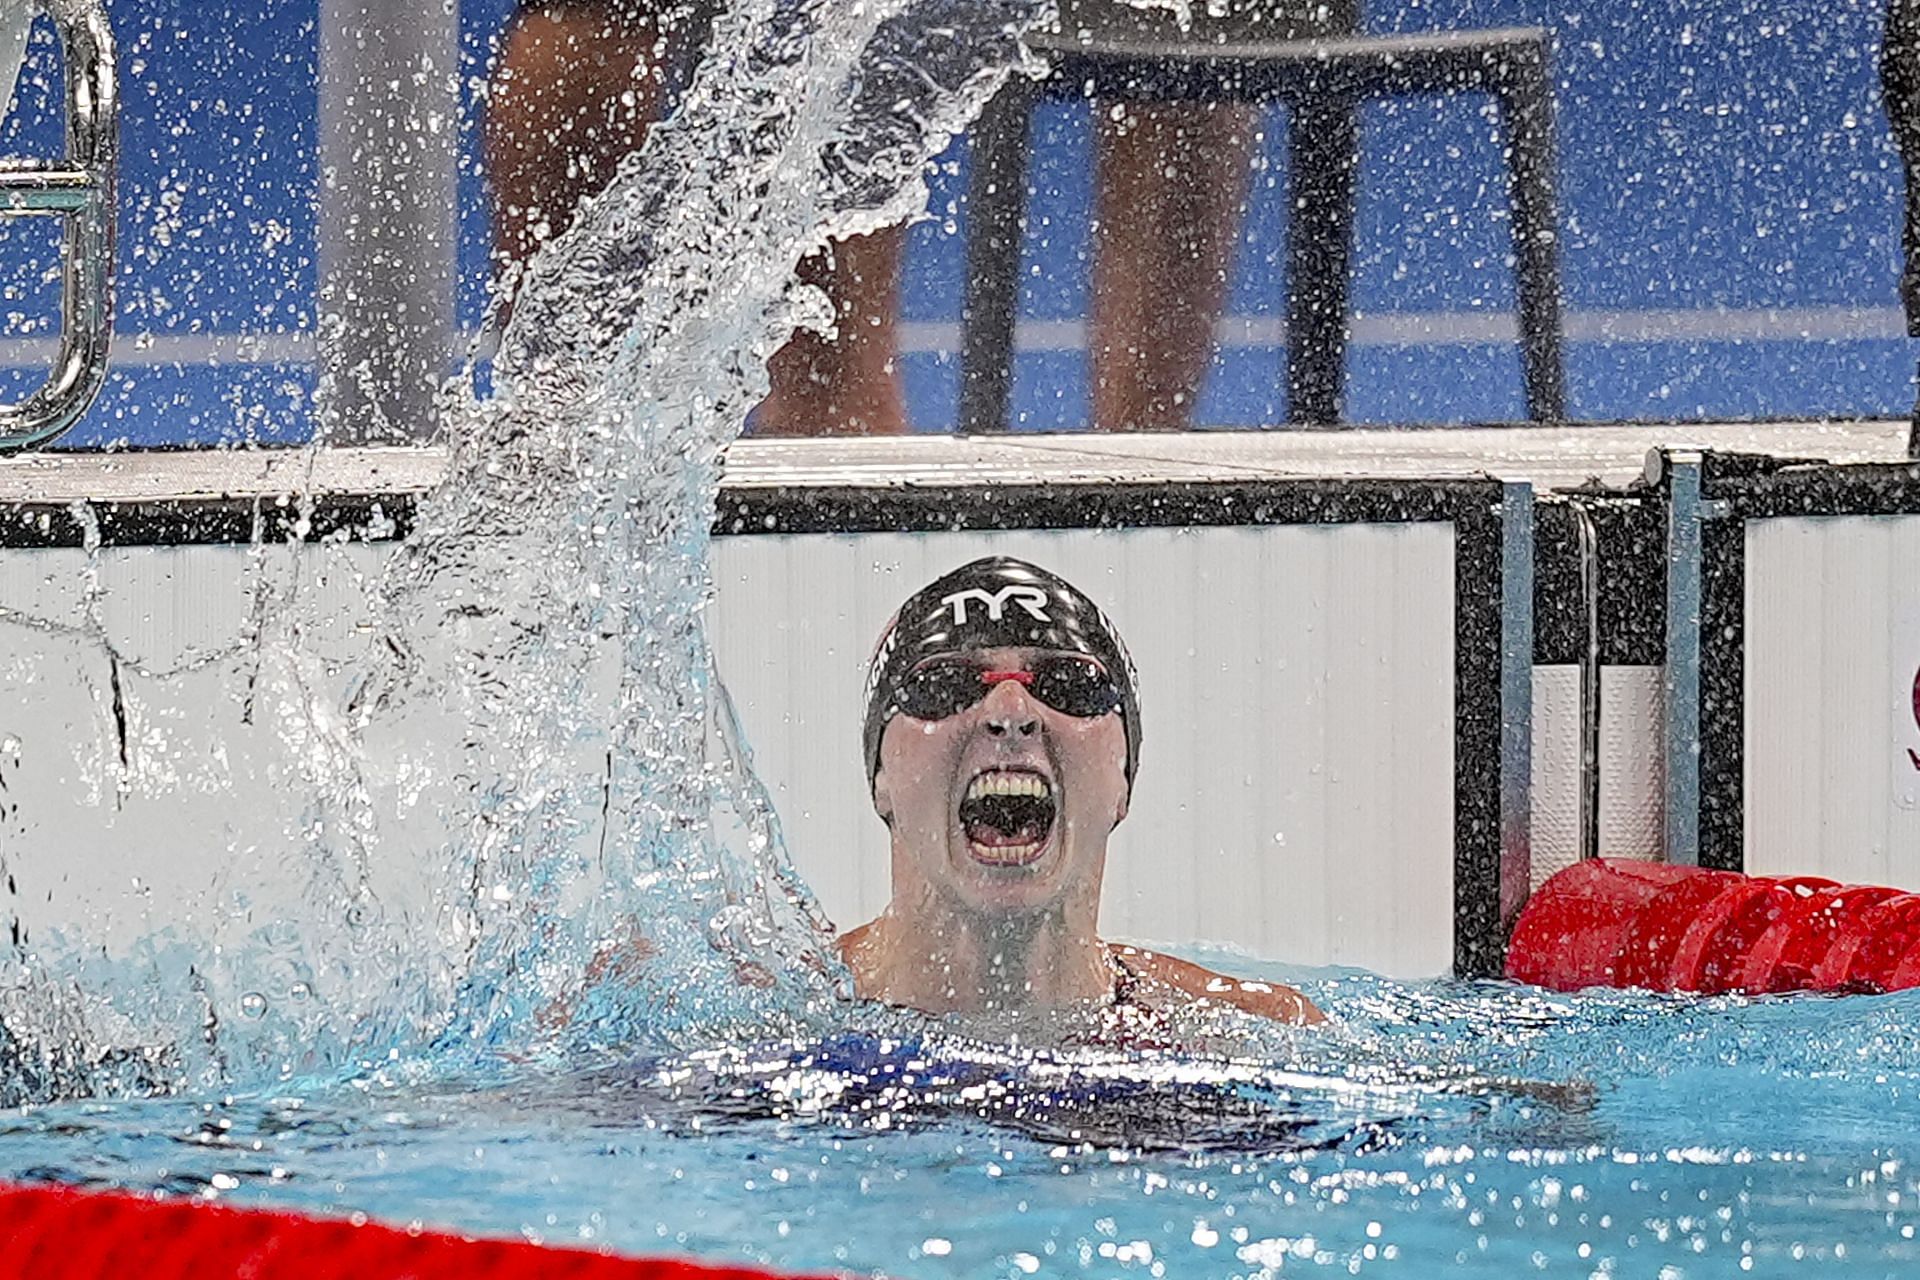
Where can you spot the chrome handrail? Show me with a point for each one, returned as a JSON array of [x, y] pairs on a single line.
[[81, 191]]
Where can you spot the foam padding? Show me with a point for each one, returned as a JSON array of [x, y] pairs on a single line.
[[57, 1233], [1623, 923]]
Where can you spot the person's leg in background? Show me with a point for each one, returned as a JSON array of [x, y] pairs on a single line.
[[1900, 82], [849, 384], [1171, 183], [575, 88]]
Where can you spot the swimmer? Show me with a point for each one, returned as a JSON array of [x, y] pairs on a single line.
[[1002, 735]]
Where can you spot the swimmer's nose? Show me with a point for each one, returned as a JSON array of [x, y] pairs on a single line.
[[1010, 711], [1020, 726]]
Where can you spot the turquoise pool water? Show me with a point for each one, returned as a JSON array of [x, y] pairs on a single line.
[[1438, 1128], [1434, 1128]]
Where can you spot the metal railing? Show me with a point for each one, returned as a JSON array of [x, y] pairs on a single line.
[[80, 190]]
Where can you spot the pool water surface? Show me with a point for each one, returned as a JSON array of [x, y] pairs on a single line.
[[1447, 1127]]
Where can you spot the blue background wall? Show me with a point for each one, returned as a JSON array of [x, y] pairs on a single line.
[[1729, 199]]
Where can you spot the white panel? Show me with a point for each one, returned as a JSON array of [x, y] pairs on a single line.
[[1296, 792], [1632, 776], [1407, 697], [1577, 455], [1781, 783], [1832, 649], [1556, 770], [130, 817], [1632, 809], [43, 586], [1296, 788]]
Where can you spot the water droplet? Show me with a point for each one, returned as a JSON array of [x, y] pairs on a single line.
[[253, 1005], [299, 991]]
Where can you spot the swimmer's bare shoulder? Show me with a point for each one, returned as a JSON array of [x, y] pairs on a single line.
[[1266, 999]]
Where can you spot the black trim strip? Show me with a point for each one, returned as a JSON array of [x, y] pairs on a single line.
[[839, 509], [1630, 536], [1723, 694], [1630, 542], [1105, 505], [1559, 618], [1859, 489], [174, 522], [1479, 943]]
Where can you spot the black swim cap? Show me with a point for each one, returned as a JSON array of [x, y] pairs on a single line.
[[992, 603]]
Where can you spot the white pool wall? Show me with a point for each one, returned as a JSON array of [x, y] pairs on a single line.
[[1295, 793], [1295, 797]]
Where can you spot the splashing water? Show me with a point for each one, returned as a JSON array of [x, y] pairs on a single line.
[[551, 597], [534, 779]]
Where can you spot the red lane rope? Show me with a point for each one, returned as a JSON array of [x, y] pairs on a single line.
[[57, 1233], [1610, 922]]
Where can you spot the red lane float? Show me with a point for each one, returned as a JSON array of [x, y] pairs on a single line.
[[56, 1233], [1610, 922]]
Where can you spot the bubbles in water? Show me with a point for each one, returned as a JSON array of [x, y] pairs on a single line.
[[253, 1005]]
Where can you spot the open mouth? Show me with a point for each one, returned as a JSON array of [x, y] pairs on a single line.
[[1007, 815]]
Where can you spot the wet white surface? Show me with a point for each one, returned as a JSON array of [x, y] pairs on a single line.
[[1614, 455]]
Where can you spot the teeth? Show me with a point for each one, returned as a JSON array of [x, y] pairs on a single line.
[[1007, 855], [1005, 782]]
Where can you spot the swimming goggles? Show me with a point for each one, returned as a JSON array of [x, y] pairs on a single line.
[[944, 687]]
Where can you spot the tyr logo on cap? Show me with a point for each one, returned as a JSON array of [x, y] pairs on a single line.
[[995, 601], [1032, 599]]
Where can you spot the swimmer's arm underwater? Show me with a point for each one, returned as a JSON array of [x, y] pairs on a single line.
[[1263, 999]]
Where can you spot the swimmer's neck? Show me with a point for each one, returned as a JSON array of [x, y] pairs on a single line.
[[957, 962]]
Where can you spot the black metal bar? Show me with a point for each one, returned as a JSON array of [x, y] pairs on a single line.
[[1323, 143], [1322, 81], [996, 215], [1441, 62], [1479, 941], [1527, 102], [1723, 695]]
